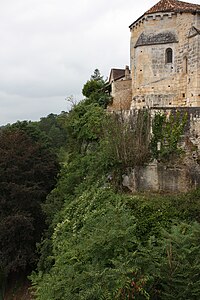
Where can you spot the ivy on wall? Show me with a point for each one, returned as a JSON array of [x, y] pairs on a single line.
[[167, 130]]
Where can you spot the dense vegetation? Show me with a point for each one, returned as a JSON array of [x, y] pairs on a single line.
[[100, 242], [28, 172]]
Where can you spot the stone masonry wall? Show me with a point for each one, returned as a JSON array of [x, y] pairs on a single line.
[[174, 176], [157, 83], [122, 95]]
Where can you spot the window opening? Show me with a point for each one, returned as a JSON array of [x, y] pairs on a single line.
[[185, 65], [169, 55]]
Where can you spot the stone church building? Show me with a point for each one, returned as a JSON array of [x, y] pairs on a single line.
[[164, 60]]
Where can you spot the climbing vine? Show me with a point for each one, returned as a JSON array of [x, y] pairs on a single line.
[[167, 130]]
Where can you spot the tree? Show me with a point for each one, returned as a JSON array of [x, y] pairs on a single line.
[[97, 75], [52, 127], [27, 174], [95, 90], [83, 126]]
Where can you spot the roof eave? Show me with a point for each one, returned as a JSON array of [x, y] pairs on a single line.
[[166, 11], [136, 20]]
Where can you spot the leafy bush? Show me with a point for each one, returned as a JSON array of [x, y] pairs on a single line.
[[93, 248], [167, 130], [174, 263]]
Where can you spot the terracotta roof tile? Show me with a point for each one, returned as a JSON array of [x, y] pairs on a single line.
[[170, 6], [173, 6]]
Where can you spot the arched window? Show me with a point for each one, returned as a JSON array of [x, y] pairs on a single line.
[[168, 55]]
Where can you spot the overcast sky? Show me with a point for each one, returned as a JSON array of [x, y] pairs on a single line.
[[49, 49]]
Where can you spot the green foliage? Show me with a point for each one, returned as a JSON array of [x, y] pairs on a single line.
[[154, 211], [95, 84], [167, 130], [97, 75], [112, 246], [175, 263], [92, 86], [49, 131], [31, 130], [95, 90], [93, 248], [83, 126], [27, 174], [100, 243], [125, 142], [16, 244], [52, 127]]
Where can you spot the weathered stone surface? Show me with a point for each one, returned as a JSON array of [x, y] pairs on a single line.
[[156, 82], [159, 177], [159, 38], [173, 176], [161, 83], [122, 95]]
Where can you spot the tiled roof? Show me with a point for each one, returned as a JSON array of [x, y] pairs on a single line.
[[173, 6], [116, 74], [170, 6]]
